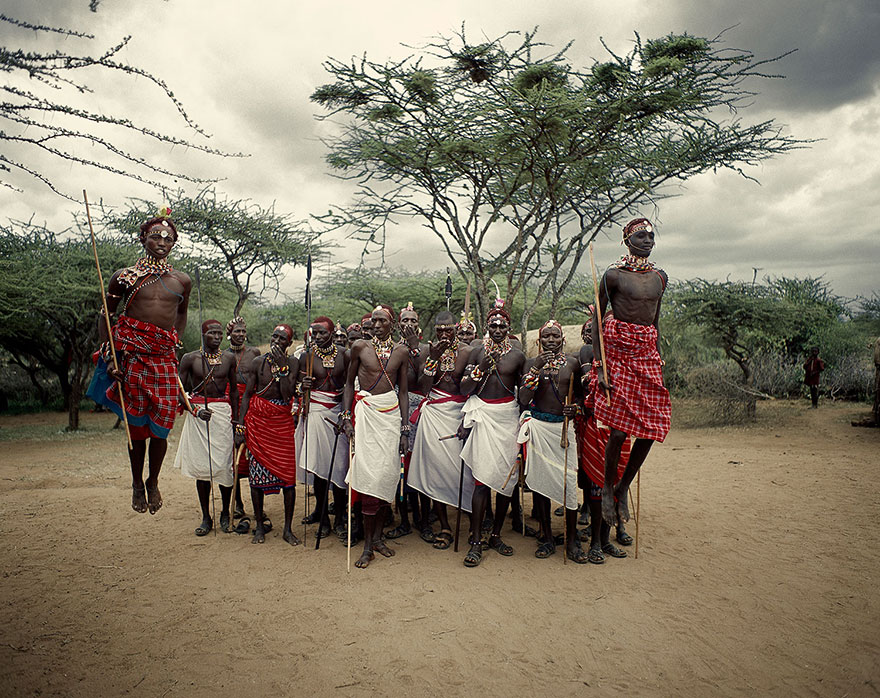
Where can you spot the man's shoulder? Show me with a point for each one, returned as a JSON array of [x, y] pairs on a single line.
[[181, 276]]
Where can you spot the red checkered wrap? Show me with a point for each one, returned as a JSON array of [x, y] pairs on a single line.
[[149, 366], [269, 438], [592, 441], [640, 404]]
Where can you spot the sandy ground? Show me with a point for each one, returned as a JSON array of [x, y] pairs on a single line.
[[757, 574]]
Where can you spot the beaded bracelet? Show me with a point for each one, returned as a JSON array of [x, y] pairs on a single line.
[[476, 374], [345, 414], [530, 381], [597, 363], [405, 428], [239, 428], [431, 366]]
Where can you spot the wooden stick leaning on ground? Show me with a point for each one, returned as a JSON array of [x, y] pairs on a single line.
[[348, 509], [564, 444], [322, 506], [205, 393], [638, 507], [107, 320], [236, 457], [599, 320]]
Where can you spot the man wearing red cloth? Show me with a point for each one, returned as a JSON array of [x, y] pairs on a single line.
[[379, 422], [639, 403], [268, 430], [150, 300]]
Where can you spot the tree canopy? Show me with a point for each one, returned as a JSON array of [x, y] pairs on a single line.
[[515, 159]]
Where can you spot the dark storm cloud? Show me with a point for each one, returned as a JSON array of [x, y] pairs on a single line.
[[838, 52]]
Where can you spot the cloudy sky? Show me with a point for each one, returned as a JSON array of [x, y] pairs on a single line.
[[244, 72]]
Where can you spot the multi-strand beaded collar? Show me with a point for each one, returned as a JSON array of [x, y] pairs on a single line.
[[383, 347], [491, 346], [213, 358], [145, 266], [632, 262], [328, 355]]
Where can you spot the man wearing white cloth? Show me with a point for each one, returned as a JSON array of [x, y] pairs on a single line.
[[324, 387], [436, 467], [543, 393], [207, 373], [491, 414], [379, 424]]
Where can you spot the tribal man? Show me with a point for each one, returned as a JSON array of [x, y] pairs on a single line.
[[267, 427], [340, 336], [354, 333], [208, 374], [322, 372], [150, 300], [378, 420], [419, 504], [491, 414], [633, 376], [543, 393], [236, 333], [466, 330], [436, 466], [367, 326]]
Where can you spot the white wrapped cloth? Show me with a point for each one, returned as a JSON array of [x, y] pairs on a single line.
[[315, 459], [192, 449], [415, 399], [435, 466], [491, 448], [376, 467], [545, 459]]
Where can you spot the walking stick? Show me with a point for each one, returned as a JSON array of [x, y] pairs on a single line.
[[236, 457], [564, 444], [599, 320], [348, 511], [307, 395], [205, 393], [638, 507], [329, 484], [458, 512], [107, 320]]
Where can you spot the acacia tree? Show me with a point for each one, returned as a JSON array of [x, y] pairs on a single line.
[[36, 115], [240, 240], [50, 300], [515, 159]]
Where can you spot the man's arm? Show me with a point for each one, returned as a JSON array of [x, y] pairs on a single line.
[[403, 400], [468, 384], [354, 363], [183, 306], [606, 286], [233, 385]]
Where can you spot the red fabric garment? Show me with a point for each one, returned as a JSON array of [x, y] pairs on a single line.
[[242, 459], [640, 404], [447, 397], [812, 368], [149, 366], [592, 440], [269, 438]]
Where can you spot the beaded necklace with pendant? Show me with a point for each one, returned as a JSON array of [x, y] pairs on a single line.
[[632, 262], [328, 356], [383, 347]]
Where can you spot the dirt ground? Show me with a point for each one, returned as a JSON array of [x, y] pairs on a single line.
[[757, 574]]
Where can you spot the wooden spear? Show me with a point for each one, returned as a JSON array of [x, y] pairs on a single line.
[[107, 319], [564, 444]]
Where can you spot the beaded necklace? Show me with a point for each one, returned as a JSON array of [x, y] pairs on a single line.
[[447, 360], [491, 346], [214, 358], [328, 355], [383, 347], [554, 364], [145, 266], [632, 262]]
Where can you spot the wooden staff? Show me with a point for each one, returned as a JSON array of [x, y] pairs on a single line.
[[599, 320], [107, 320], [348, 513], [236, 457], [458, 512], [638, 507], [323, 505], [564, 444]]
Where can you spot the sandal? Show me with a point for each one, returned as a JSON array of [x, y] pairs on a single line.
[[578, 555], [427, 534], [545, 550], [613, 550], [443, 540], [474, 555], [204, 528], [595, 556], [243, 526], [623, 537], [500, 546], [398, 532]]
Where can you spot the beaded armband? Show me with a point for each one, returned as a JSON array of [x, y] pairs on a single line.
[[414, 352], [405, 428], [597, 363], [345, 414], [239, 428], [476, 374], [431, 366], [530, 380]]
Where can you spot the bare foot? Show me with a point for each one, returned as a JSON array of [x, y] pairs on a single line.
[[154, 499], [259, 535], [139, 499], [609, 508], [365, 559], [383, 549], [290, 538]]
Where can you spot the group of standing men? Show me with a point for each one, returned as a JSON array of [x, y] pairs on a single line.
[[433, 425]]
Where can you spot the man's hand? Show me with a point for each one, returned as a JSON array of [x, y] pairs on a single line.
[[347, 427], [307, 382], [411, 336], [279, 356], [204, 414], [116, 374], [435, 351], [461, 432], [604, 382], [238, 438], [542, 359], [569, 411], [404, 444]]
